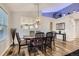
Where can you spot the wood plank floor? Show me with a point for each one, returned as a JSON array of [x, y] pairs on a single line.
[[61, 48]]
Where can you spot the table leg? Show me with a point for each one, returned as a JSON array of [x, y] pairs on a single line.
[[64, 37]]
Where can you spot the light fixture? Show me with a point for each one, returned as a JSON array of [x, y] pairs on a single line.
[[36, 26], [37, 17]]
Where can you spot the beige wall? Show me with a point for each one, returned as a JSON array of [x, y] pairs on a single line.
[[44, 21], [76, 19], [70, 29], [16, 19], [45, 24], [70, 26]]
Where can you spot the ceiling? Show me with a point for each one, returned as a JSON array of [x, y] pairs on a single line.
[[28, 7]]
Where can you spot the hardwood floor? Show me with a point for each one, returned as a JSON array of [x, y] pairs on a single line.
[[61, 48]]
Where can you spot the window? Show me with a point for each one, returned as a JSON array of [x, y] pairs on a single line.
[[3, 23]]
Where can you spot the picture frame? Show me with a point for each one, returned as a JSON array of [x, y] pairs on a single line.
[[60, 26]]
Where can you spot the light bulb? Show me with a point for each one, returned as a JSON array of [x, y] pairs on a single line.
[[36, 26], [38, 19]]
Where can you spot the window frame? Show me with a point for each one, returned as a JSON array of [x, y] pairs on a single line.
[[4, 35]]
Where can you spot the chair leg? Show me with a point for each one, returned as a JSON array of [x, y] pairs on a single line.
[[54, 43], [35, 52], [29, 53], [19, 49], [29, 48], [45, 49], [13, 43], [41, 47], [51, 46]]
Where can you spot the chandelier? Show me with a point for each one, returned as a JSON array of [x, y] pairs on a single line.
[[37, 17], [36, 23]]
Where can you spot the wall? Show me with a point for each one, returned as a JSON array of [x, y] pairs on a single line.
[[76, 20], [69, 20], [45, 24], [16, 17], [77, 28], [17, 21], [70, 29], [5, 43]]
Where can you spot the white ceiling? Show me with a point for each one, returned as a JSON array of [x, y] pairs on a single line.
[[27, 7]]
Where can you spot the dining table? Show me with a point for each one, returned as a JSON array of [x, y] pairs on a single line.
[[28, 39]]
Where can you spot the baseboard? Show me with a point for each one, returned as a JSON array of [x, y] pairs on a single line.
[[5, 51], [70, 39]]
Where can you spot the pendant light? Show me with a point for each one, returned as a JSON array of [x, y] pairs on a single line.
[[37, 18]]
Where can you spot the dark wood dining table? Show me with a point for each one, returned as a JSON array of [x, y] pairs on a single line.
[[28, 39]]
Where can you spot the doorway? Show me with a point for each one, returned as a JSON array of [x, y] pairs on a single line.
[[77, 28], [51, 26]]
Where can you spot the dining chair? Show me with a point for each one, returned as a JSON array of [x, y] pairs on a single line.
[[39, 34], [40, 40], [32, 46], [13, 31], [54, 37], [48, 40], [20, 42]]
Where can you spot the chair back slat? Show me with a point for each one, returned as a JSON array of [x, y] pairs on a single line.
[[39, 36], [49, 37], [51, 34]]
